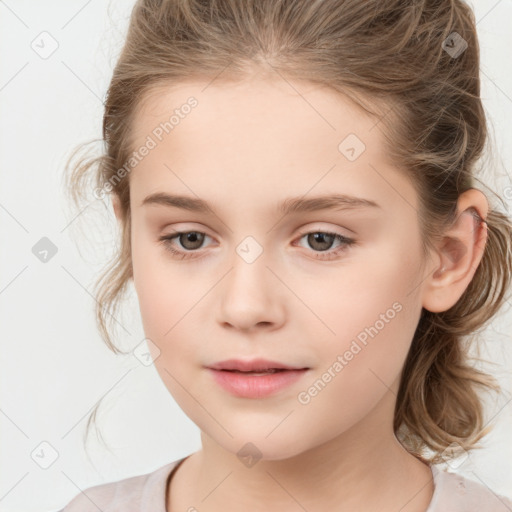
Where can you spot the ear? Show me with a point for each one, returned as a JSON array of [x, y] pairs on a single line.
[[116, 204], [459, 253]]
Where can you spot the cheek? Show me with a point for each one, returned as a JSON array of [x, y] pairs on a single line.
[[167, 299], [363, 361], [369, 314], [159, 291]]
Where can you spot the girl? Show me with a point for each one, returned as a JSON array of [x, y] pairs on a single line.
[[295, 185]]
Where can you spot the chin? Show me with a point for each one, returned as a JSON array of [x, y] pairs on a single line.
[[253, 448]]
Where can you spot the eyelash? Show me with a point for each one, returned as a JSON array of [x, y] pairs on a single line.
[[347, 242]]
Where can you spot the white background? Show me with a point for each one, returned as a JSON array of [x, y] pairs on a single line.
[[54, 366]]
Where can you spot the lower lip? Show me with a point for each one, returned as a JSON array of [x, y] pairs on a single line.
[[247, 385]]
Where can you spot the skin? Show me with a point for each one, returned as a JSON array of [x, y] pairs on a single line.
[[245, 148]]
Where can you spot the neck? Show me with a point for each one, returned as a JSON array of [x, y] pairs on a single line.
[[364, 468]]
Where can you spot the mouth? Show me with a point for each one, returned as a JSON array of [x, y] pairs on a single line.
[[254, 366], [261, 372], [256, 378]]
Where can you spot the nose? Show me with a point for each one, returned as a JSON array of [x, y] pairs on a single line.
[[252, 297]]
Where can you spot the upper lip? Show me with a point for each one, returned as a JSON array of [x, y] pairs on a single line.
[[252, 365]]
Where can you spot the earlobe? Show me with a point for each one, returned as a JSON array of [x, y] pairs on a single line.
[[459, 253]]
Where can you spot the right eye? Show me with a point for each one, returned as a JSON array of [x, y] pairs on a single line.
[[189, 240]]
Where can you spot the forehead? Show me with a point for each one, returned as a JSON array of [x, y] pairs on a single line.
[[261, 137], [261, 105]]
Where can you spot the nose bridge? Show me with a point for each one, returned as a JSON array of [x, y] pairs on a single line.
[[249, 277], [249, 294]]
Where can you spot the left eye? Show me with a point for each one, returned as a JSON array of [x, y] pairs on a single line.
[[320, 241]]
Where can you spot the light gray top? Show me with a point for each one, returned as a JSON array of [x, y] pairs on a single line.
[[147, 493]]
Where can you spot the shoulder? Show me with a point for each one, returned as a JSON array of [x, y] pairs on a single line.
[[137, 493], [456, 493]]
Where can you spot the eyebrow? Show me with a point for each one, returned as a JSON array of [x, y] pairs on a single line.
[[290, 205]]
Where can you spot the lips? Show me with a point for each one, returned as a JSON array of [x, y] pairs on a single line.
[[254, 366], [256, 378]]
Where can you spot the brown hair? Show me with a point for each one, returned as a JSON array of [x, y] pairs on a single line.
[[406, 64]]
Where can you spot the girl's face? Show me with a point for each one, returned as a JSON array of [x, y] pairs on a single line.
[[252, 281]]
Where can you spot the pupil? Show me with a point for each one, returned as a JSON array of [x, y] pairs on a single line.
[[320, 236], [192, 237]]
